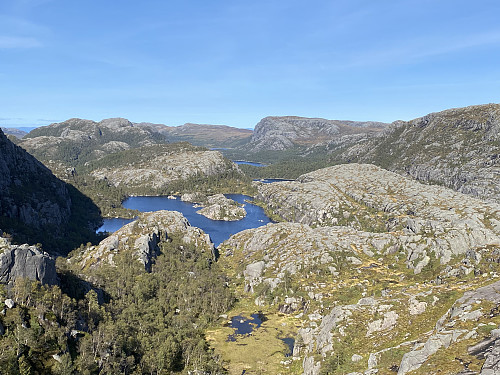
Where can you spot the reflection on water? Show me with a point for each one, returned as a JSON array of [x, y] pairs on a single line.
[[113, 224]]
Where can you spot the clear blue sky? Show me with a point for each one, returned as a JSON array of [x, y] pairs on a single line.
[[233, 62]]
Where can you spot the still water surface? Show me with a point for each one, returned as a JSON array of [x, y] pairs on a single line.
[[255, 164], [218, 230]]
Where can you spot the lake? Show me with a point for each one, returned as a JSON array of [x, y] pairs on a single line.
[[249, 163], [271, 180], [218, 230]]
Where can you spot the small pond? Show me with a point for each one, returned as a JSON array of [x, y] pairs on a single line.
[[290, 343], [218, 230], [245, 326]]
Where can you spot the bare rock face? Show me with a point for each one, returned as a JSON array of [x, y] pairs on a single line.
[[26, 261], [281, 133], [444, 335], [458, 148], [142, 237], [374, 264], [423, 219]]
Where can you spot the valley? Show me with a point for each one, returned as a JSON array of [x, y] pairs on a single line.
[[307, 246]]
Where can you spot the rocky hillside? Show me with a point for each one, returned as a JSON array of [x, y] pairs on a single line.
[[18, 133], [377, 274], [139, 302], [211, 136], [113, 158], [458, 148], [35, 206], [142, 237], [366, 197], [76, 141], [156, 167], [281, 133]]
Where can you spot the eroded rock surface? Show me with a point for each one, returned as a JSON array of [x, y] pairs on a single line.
[[281, 133], [163, 168], [423, 219], [24, 261], [141, 238]]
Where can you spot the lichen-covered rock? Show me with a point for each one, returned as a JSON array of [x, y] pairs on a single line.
[[424, 219], [281, 133], [79, 139], [196, 197], [444, 335], [164, 168]]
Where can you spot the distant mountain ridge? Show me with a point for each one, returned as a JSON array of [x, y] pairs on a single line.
[[77, 140], [285, 132], [212, 136], [16, 132]]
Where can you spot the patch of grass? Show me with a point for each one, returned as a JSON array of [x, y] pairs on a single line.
[[262, 351]]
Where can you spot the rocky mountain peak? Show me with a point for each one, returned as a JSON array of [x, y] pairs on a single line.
[[281, 133], [116, 123]]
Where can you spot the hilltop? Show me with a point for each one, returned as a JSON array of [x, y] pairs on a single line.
[[76, 141], [282, 133], [114, 158]]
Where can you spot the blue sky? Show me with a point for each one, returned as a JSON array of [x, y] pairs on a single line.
[[234, 62]]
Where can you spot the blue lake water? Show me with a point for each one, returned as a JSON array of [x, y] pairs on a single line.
[[113, 224], [218, 230], [271, 180], [249, 163]]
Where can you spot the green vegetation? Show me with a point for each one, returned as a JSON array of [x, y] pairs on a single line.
[[109, 197], [287, 169], [138, 323]]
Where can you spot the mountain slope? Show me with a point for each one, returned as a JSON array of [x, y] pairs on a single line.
[[458, 148], [35, 206], [377, 273], [18, 133]]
